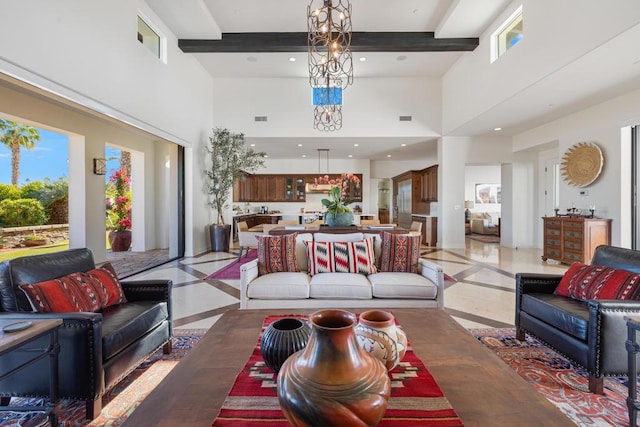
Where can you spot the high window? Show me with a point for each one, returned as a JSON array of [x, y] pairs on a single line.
[[150, 38], [507, 35]]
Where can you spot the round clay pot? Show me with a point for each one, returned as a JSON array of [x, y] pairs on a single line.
[[332, 381], [378, 335], [341, 219], [281, 339], [120, 241]]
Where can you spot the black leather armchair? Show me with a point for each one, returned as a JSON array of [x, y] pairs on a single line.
[[96, 349], [591, 333]]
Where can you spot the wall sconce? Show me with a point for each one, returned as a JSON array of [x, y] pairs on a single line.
[[100, 166]]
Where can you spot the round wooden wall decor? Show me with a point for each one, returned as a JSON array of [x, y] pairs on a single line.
[[582, 164]]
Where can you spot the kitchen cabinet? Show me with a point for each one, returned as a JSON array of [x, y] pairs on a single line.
[[571, 239], [429, 184], [429, 229], [410, 195], [383, 216]]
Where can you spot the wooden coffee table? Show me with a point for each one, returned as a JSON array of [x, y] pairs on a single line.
[[482, 389]]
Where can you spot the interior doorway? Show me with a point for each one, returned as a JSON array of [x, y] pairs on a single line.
[[551, 186]]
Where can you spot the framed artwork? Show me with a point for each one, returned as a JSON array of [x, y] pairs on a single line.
[[488, 193]]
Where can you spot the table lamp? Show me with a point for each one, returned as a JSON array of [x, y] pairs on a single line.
[[468, 204]]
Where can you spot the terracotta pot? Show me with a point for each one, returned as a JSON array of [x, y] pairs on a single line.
[[281, 339], [332, 381], [120, 241], [378, 335]]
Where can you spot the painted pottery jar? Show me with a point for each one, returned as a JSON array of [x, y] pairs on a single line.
[[378, 334], [332, 381], [281, 339]]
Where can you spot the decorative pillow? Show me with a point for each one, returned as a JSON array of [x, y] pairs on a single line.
[[108, 285], [75, 292], [277, 253], [341, 257], [400, 252], [587, 282]]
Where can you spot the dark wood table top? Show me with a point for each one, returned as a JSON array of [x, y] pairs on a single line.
[[336, 230], [482, 389]]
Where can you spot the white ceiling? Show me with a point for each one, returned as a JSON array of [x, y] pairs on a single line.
[[612, 73]]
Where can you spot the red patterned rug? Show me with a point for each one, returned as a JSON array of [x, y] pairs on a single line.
[[253, 400], [560, 381], [121, 400], [232, 270]]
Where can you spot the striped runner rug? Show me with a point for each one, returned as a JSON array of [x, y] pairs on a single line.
[[416, 399]]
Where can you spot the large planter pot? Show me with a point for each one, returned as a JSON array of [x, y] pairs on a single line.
[[220, 236], [120, 241], [378, 335], [281, 339], [332, 381], [340, 219]]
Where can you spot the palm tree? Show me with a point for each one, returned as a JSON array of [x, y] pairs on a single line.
[[14, 136]]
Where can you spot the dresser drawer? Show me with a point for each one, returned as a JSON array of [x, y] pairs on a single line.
[[552, 253], [548, 241], [552, 223], [573, 234], [552, 231], [572, 256], [568, 244], [573, 224]]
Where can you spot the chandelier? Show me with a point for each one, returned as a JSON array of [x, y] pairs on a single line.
[[330, 60]]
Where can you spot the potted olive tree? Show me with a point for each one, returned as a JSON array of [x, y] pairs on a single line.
[[229, 160]]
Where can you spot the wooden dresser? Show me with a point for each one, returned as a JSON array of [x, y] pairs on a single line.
[[571, 239]]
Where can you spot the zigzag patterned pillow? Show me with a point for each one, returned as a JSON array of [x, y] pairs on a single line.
[[341, 257]]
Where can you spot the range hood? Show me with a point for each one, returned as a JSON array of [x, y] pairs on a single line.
[[310, 188]]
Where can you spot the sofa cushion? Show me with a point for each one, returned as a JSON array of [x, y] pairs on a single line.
[[75, 292], [400, 252], [402, 285], [341, 257], [337, 237], [340, 286], [587, 282], [283, 285], [108, 284], [301, 250], [124, 324], [277, 253], [567, 314]]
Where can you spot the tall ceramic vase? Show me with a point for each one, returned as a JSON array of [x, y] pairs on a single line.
[[378, 334], [332, 381]]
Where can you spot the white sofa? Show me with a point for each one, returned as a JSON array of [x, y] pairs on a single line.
[[299, 289]]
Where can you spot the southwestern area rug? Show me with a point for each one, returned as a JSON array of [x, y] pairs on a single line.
[[232, 270], [416, 399], [484, 238], [121, 400], [560, 381]]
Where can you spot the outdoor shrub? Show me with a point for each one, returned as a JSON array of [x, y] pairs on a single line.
[[21, 213], [46, 191], [8, 191]]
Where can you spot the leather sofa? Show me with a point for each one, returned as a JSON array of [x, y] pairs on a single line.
[[299, 289], [96, 349], [591, 333]]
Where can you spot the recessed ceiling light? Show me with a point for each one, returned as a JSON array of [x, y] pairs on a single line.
[[388, 155], [363, 58], [350, 155], [292, 59], [497, 129], [252, 59], [304, 155], [401, 58], [299, 145], [356, 145], [253, 145], [403, 145], [266, 155]]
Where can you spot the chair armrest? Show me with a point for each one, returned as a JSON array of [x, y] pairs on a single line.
[[529, 283], [607, 335], [433, 272], [147, 290], [248, 273]]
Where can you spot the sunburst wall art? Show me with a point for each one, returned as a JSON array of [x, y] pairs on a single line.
[[582, 164]]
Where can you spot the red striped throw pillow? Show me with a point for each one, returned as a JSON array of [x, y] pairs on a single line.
[[587, 282], [73, 293], [400, 252], [108, 285], [277, 253], [341, 257]]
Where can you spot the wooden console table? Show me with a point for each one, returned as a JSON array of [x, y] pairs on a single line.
[[570, 238]]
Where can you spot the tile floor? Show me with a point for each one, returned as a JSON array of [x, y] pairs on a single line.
[[483, 294]]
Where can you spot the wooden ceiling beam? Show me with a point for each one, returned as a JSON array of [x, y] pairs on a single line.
[[297, 42]]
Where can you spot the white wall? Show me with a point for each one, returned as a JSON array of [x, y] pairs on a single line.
[[601, 124], [554, 36], [88, 53], [371, 107]]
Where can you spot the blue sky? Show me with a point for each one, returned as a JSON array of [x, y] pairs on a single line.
[[47, 160]]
